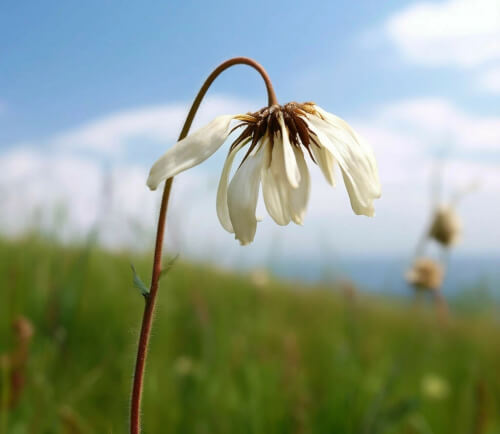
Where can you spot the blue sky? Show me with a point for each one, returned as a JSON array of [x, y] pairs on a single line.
[[64, 64], [414, 76]]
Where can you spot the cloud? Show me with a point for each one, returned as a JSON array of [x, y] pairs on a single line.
[[110, 135], [73, 194], [34, 185], [439, 122], [404, 135], [71, 197], [462, 33], [407, 131], [409, 136], [489, 81], [50, 179]]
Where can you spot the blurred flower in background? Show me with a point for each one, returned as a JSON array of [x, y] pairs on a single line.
[[446, 227], [426, 273], [434, 387]]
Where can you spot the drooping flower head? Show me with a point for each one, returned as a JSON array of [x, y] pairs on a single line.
[[276, 141]]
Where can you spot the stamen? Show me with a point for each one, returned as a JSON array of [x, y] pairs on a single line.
[[236, 127], [246, 118], [302, 130], [250, 149], [265, 123], [247, 132]]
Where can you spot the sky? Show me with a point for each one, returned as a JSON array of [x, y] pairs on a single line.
[[91, 94]]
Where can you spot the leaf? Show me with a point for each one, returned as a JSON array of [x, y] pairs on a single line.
[[169, 265], [138, 283]]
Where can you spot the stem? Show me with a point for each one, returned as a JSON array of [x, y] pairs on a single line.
[[443, 311], [481, 416], [147, 318]]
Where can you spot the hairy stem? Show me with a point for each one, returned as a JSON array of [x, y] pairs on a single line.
[[147, 318]]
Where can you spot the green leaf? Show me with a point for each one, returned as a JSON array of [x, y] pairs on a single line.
[[138, 283], [168, 266]]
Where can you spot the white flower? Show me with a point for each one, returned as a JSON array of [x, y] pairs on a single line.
[[276, 139]]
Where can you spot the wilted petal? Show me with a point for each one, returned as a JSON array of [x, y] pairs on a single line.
[[299, 196], [222, 208], [190, 151], [326, 163], [360, 198], [340, 123], [291, 169], [275, 185], [355, 158], [242, 197]]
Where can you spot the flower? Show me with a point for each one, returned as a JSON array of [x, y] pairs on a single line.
[[276, 140], [446, 226], [426, 274]]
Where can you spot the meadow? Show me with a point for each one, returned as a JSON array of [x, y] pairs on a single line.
[[231, 353]]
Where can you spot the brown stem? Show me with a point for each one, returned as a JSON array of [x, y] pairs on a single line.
[[481, 416], [443, 311], [147, 318]]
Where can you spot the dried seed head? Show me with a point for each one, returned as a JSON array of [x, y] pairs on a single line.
[[426, 274], [446, 226]]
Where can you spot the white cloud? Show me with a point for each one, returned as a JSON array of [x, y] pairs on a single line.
[[463, 33], [33, 184], [402, 134], [490, 80], [44, 181], [161, 124], [439, 122], [407, 133]]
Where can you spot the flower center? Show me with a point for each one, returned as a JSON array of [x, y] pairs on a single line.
[[266, 122]]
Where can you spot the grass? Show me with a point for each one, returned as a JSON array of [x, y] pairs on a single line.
[[231, 356]]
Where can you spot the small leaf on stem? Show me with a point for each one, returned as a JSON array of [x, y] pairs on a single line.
[[169, 265], [139, 284]]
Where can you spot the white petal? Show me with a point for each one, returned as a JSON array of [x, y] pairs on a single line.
[[222, 208], [354, 157], [292, 171], [359, 197], [190, 151], [242, 197], [340, 124], [325, 161], [275, 185], [300, 196]]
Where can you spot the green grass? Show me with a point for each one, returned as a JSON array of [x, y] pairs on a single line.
[[228, 356]]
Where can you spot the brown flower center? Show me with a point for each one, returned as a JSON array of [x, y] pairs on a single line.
[[266, 122]]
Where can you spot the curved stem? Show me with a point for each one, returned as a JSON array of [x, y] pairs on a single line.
[[147, 318]]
